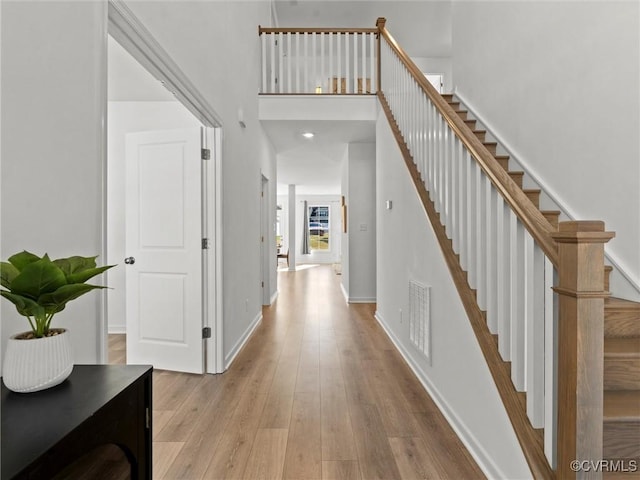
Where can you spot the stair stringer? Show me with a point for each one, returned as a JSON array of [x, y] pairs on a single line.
[[530, 439]]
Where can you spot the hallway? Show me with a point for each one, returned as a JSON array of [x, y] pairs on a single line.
[[318, 392]]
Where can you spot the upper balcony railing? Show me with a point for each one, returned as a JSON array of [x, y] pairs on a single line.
[[319, 61]]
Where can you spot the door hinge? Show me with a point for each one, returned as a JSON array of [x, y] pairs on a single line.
[[206, 332], [205, 243], [262, 239], [262, 284], [147, 418], [205, 154]]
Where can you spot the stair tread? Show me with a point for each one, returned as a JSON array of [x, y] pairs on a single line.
[[551, 212], [622, 347], [621, 303], [621, 405], [531, 190]]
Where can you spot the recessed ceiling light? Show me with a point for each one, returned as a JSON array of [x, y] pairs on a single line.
[[307, 135]]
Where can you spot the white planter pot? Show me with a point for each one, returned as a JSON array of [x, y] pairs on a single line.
[[38, 363]]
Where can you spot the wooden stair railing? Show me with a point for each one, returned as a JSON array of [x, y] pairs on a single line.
[[465, 162], [318, 61]]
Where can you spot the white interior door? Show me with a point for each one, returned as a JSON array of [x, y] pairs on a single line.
[[164, 250]]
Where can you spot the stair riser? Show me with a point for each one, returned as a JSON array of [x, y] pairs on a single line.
[[491, 147], [516, 178], [534, 197], [462, 115], [504, 163], [480, 134], [622, 373], [621, 323], [621, 439], [552, 218]]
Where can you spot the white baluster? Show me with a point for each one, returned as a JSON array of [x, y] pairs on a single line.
[[363, 65], [280, 63], [481, 240], [314, 58], [355, 64], [451, 201], [472, 165], [518, 301], [436, 163], [373, 62], [551, 365], [535, 335], [502, 286], [339, 59], [331, 70], [305, 56], [464, 191], [263, 41], [289, 64], [455, 194], [272, 49], [492, 260], [322, 70], [433, 149], [504, 307], [298, 60], [347, 47]]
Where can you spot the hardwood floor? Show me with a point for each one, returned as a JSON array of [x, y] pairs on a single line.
[[318, 392]]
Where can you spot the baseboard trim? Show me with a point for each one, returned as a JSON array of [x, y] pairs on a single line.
[[349, 299], [479, 454], [231, 356], [362, 300], [117, 329], [274, 296]]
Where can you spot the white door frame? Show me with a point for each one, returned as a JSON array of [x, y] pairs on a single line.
[[266, 233], [134, 37]]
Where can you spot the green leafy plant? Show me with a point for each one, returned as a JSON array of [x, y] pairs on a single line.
[[40, 287]]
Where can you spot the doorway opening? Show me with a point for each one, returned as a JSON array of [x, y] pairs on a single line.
[[174, 140]]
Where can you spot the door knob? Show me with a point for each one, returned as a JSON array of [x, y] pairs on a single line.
[[129, 260]]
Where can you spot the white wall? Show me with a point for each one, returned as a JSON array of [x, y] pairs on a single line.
[[359, 283], [559, 82], [53, 104], [216, 44], [442, 65], [458, 377], [124, 118]]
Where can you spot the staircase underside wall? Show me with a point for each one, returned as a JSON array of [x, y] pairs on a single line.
[[457, 376]]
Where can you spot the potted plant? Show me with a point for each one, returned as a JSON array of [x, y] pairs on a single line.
[[39, 288]]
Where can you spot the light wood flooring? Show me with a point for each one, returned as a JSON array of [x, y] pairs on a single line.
[[318, 392]]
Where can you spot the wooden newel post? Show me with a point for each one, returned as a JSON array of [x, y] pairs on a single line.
[[580, 347], [380, 23]]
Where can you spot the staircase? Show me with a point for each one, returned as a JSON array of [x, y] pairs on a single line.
[[564, 354], [621, 422], [621, 432]]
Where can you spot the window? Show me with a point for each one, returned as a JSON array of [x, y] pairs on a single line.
[[319, 228]]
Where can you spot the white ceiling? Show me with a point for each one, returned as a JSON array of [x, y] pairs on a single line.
[[314, 165]]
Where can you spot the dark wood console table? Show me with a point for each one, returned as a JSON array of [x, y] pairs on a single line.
[[44, 432]]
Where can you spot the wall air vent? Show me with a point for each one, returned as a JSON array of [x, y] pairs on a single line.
[[420, 318]]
